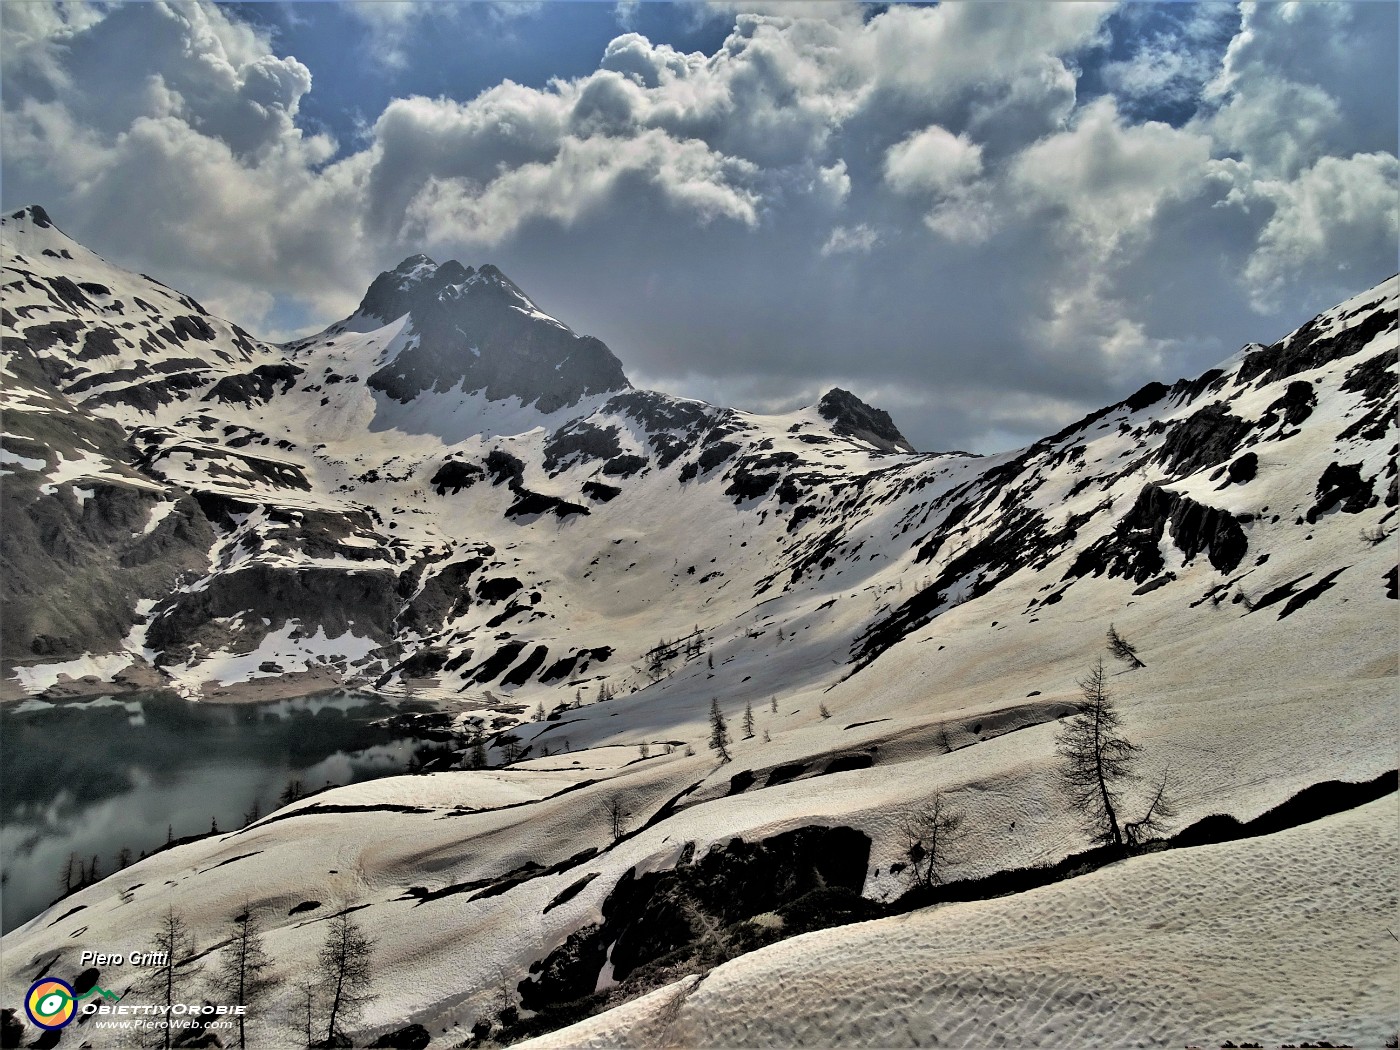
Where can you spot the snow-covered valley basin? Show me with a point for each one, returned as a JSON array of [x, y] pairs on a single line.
[[89, 779]]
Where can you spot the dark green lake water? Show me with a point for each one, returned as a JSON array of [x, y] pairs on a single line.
[[90, 778]]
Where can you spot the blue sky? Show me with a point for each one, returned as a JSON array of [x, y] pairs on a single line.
[[987, 218], [527, 43]]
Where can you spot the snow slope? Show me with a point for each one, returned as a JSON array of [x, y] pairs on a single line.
[[1277, 939]]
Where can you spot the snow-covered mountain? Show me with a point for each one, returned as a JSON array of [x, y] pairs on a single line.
[[451, 489], [385, 500], [452, 494]]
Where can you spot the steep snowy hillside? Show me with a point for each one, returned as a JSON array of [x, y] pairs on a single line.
[[896, 624]]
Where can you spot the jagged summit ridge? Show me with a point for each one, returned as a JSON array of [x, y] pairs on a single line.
[[852, 417], [475, 331], [419, 281], [412, 283]]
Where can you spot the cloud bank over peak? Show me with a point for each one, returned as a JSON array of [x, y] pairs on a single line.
[[998, 211]]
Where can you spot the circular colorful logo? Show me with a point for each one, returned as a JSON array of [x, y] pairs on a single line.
[[50, 1003]]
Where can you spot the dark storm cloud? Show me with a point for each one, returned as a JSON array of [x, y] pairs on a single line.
[[972, 214]]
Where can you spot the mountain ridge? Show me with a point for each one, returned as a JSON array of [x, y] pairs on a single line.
[[359, 457]]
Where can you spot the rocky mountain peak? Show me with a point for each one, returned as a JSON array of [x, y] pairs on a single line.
[[35, 214], [476, 330], [851, 417], [415, 281]]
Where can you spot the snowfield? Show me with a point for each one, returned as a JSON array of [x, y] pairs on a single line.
[[1277, 939]]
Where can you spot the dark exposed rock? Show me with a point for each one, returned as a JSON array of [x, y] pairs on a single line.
[[394, 292], [35, 214], [476, 330], [1375, 377], [492, 667], [1375, 380], [1278, 594], [846, 763], [624, 466], [456, 475], [256, 386], [570, 891], [658, 412], [561, 668], [97, 342], [1184, 390], [1309, 348], [1243, 469], [600, 492], [650, 917], [1372, 424], [41, 337], [1295, 405], [503, 467], [1152, 585], [444, 595], [530, 504], [71, 571], [564, 667], [151, 394], [715, 454], [1302, 598], [741, 782], [1207, 437], [218, 463], [672, 425], [1342, 486], [782, 774], [1132, 549], [413, 1037], [498, 589], [67, 293], [756, 475], [334, 600], [527, 667], [187, 327], [1145, 397], [580, 441], [851, 417]]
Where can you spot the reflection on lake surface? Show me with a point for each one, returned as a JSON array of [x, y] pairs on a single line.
[[90, 778]]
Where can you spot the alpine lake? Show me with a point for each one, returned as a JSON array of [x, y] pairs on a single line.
[[104, 781]]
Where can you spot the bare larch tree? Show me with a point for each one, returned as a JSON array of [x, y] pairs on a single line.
[[617, 817], [1097, 761], [169, 980], [1122, 649], [242, 978], [932, 831], [719, 731], [344, 969]]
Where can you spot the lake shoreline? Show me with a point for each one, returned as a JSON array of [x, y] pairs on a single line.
[[141, 677]]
